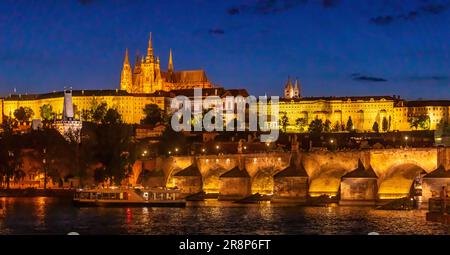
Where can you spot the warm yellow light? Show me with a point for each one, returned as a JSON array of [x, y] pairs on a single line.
[[176, 149], [331, 141], [406, 137]]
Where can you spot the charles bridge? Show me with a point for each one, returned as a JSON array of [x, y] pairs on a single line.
[[395, 169]]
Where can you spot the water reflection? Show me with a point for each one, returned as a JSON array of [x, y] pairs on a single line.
[[49, 215]]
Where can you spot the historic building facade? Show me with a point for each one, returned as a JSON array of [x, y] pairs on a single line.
[[130, 106], [147, 76], [363, 111]]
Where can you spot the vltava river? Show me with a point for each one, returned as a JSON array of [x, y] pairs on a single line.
[[57, 216]]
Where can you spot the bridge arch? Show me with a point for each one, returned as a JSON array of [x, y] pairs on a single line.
[[397, 180], [327, 180]]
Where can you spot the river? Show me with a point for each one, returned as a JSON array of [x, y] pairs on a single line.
[[43, 215]]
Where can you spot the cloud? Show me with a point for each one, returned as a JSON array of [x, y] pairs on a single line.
[[330, 3], [86, 2], [435, 8], [429, 78], [360, 77], [233, 11], [216, 31], [264, 7], [423, 10], [382, 20]]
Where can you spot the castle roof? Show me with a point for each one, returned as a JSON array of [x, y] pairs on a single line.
[[77, 93], [186, 76], [422, 103], [235, 173], [440, 172], [292, 170], [217, 91], [361, 172], [333, 98]]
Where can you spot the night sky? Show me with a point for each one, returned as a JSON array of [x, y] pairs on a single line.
[[335, 47]]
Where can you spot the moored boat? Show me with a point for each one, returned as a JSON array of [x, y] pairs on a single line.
[[136, 197], [438, 210]]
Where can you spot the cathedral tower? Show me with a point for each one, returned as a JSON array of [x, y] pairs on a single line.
[[170, 65], [126, 79], [151, 74], [289, 89], [297, 89]]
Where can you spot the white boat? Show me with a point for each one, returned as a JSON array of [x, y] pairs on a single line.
[[153, 197]]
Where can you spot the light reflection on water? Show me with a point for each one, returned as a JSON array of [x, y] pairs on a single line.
[[51, 215]]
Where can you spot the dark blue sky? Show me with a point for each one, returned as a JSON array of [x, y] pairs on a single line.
[[335, 47]]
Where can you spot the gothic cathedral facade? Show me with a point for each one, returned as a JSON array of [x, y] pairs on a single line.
[[147, 76]]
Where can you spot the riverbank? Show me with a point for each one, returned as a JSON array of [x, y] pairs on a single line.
[[32, 192]]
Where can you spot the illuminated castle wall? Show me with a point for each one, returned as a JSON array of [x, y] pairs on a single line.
[[364, 111], [130, 106]]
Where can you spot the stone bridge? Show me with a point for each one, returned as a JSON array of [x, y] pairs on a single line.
[[395, 168]]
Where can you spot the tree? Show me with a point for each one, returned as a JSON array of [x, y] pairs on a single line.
[[336, 127], [349, 126], [53, 150], [114, 149], [327, 126], [46, 112], [283, 122], [10, 159], [385, 124], [171, 140], [86, 115], [98, 112], [375, 127], [23, 114], [152, 115], [316, 126], [422, 121], [112, 116], [301, 124]]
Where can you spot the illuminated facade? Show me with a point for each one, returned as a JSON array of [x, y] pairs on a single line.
[[147, 76], [130, 106], [363, 111]]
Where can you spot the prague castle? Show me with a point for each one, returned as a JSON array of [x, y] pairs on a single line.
[[363, 111], [146, 83], [147, 76]]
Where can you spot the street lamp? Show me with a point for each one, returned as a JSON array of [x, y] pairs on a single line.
[[406, 141], [44, 161]]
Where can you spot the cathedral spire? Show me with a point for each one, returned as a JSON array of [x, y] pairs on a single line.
[[289, 83], [170, 67], [126, 76], [126, 60], [150, 56]]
